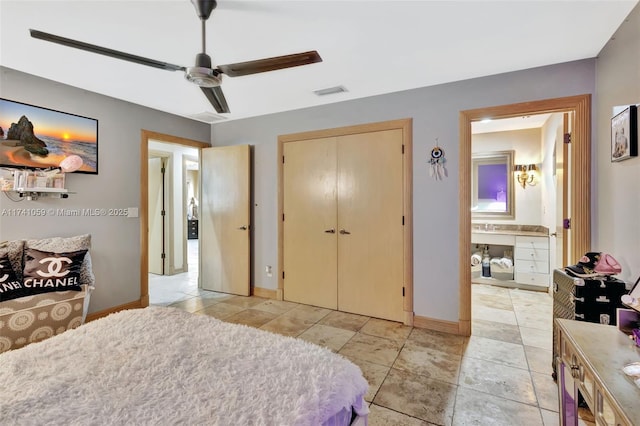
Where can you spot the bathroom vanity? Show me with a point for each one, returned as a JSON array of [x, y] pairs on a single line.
[[529, 245]]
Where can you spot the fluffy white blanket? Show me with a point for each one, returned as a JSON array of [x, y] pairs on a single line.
[[165, 366]]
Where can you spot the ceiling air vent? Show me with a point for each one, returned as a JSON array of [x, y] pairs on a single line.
[[208, 117], [330, 90]]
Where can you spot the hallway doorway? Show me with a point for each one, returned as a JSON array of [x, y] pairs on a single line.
[[180, 279]]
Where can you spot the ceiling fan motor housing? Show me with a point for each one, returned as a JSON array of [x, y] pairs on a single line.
[[202, 74]]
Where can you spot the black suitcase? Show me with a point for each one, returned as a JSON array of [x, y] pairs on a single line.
[[587, 299], [584, 299]]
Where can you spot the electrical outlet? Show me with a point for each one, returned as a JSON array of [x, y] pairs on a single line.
[[268, 270]]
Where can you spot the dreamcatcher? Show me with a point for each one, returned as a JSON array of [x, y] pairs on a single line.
[[437, 160]]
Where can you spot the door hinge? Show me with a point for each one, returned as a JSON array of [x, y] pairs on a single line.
[[403, 148], [402, 291], [283, 217], [162, 213], [567, 138], [566, 223], [283, 159], [402, 220], [283, 275], [163, 256]]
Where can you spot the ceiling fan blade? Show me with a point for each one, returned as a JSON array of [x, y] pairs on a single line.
[[270, 64], [104, 51], [216, 97]]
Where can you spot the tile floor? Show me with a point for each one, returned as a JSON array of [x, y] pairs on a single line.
[[501, 375]]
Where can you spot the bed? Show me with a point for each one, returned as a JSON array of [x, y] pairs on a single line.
[[161, 365]]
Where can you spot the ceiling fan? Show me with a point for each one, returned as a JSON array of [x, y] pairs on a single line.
[[202, 74]]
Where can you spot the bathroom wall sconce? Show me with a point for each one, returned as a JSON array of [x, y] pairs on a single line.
[[526, 174]]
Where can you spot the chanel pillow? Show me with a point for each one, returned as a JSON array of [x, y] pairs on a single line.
[[65, 245], [10, 286], [46, 271]]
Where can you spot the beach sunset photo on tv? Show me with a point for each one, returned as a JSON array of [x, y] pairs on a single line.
[[41, 138]]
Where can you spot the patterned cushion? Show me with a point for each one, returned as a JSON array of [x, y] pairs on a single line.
[[13, 249], [68, 244], [10, 286], [33, 318], [45, 271]]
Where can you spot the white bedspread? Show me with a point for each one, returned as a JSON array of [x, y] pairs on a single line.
[[165, 366]]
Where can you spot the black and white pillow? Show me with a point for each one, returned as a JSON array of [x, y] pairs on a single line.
[[10, 285], [46, 271]]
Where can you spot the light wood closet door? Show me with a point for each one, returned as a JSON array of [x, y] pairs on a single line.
[[309, 227], [370, 222]]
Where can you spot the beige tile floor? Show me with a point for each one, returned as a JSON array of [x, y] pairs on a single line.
[[501, 375]]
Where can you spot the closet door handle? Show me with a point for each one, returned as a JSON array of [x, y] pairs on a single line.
[[243, 228], [330, 231], [344, 232]]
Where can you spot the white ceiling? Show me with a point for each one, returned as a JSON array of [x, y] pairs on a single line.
[[370, 47]]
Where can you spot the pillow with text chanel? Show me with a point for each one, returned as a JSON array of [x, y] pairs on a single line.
[[10, 286], [45, 271]]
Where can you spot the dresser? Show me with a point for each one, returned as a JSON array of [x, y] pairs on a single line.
[[590, 362], [192, 229], [531, 260]]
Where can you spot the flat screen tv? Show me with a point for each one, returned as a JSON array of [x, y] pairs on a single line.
[[40, 138]]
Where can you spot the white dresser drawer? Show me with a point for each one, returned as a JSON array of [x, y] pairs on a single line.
[[532, 278], [532, 242], [531, 254], [535, 267]]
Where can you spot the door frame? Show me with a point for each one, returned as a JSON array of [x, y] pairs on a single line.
[[406, 125], [579, 181], [185, 205], [145, 137]]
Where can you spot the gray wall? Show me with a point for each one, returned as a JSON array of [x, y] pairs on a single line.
[[616, 194], [435, 115], [115, 240]]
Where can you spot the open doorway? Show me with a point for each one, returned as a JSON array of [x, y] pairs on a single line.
[[578, 161], [173, 222], [179, 281], [517, 185]]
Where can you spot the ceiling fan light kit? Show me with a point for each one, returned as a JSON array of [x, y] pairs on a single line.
[[202, 74]]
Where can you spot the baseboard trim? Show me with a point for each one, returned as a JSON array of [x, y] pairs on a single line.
[[131, 305], [451, 327], [265, 292]]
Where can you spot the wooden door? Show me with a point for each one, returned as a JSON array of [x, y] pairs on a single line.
[[156, 215], [309, 226], [370, 224], [225, 219]]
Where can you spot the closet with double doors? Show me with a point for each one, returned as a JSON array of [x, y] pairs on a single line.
[[345, 223]]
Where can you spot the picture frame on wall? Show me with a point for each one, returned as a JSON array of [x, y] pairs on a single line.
[[624, 134]]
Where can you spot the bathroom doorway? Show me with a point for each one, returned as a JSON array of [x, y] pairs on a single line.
[[578, 160]]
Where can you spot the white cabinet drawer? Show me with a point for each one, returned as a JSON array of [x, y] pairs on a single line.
[[536, 267], [532, 242], [532, 254], [532, 278]]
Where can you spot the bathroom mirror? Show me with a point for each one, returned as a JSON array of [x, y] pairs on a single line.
[[492, 194]]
